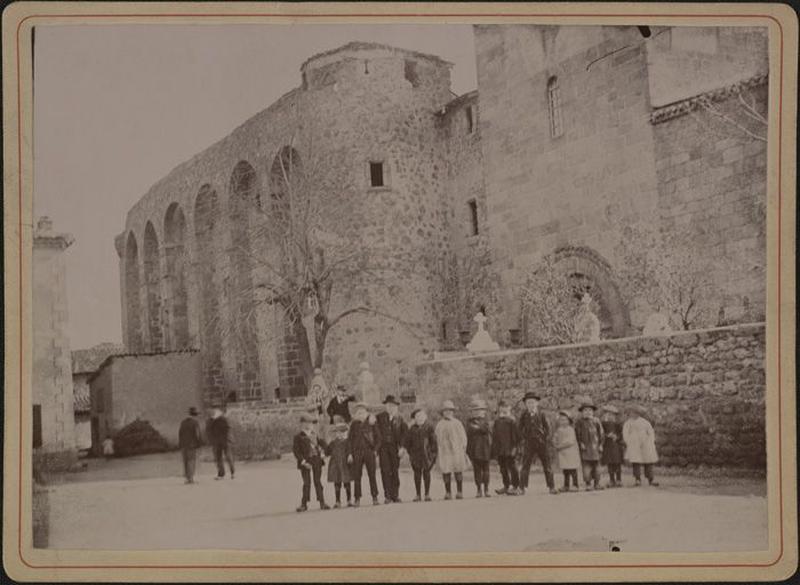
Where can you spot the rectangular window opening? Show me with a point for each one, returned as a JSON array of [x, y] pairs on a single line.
[[376, 174], [473, 216], [470, 120], [37, 426]]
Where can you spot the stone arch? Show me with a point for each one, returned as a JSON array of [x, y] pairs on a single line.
[[207, 237], [176, 273], [133, 305], [152, 282], [591, 273], [244, 195]]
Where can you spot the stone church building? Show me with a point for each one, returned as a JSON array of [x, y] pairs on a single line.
[[572, 132]]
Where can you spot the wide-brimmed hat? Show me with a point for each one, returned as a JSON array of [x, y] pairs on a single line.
[[339, 427], [611, 408], [637, 409], [359, 405], [193, 411], [478, 404], [565, 413], [307, 417], [341, 388], [447, 405], [586, 404], [531, 396], [391, 398], [415, 411]]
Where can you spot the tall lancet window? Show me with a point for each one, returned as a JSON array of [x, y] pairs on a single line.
[[554, 106]]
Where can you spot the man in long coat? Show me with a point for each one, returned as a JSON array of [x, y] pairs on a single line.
[[190, 440], [535, 432], [392, 429], [218, 432], [365, 441]]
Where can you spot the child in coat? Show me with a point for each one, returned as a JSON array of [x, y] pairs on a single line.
[[420, 444], [308, 449], [479, 446], [569, 457], [589, 433], [339, 464], [640, 445], [505, 438], [613, 446], [451, 439]]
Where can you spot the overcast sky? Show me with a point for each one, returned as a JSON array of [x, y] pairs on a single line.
[[117, 107]]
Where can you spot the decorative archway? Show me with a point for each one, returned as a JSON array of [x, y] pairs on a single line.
[[152, 281], [175, 257], [244, 196], [133, 304], [589, 272]]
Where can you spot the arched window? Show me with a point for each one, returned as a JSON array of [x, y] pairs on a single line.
[[175, 257], [554, 107], [132, 292], [152, 281]]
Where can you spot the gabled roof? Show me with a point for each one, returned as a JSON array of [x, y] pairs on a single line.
[[86, 361], [112, 357]]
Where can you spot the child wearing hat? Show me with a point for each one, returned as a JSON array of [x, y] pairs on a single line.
[[339, 464], [365, 440], [569, 457], [505, 438], [589, 433], [613, 446], [479, 446], [420, 443], [535, 432], [451, 440], [308, 449], [393, 430], [339, 406], [640, 445]]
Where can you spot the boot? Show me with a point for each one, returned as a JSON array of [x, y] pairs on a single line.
[[417, 498], [338, 504], [324, 506], [448, 496], [357, 502], [501, 491], [301, 508], [480, 493], [427, 498], [459, 496], [486, 493], [375, 501]]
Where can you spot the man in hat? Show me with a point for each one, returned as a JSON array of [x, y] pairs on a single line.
[[535, 432], [365, 441], [392, 429], [218, 432], [339, 405], [189, 441], [589, 433], [309, 450]]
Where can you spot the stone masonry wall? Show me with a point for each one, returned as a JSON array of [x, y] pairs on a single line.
[[704, 390]]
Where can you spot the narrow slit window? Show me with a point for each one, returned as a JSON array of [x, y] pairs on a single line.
[[444, 330], [554, 107], [473, 216], [470, 120], [376, 174], [37, 426]]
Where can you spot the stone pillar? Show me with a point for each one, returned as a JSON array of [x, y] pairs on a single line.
[[52, 395]]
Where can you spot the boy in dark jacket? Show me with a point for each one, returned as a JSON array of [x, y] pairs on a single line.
[[479, 446], [535, 433], [613, 445], [589, 433], [339, 405], [365, 440], [308, 449], [420, 443], [505, 438], [392, 429]]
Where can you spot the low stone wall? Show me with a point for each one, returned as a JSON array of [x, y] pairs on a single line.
[[703, 390], [263, 431]]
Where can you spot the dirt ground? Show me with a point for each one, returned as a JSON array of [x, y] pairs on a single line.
[[142, 503]]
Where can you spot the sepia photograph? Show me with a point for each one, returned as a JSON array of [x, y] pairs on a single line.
[[474, 287]]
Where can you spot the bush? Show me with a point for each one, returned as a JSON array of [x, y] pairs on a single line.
[[139, 438]]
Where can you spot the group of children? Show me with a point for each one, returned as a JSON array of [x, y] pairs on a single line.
[[585, 443]]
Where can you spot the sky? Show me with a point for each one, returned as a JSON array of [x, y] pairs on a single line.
[[117, 107]]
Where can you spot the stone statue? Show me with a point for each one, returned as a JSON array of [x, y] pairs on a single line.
[[587, 325], [366, 388], [656, 324], [482, 341]]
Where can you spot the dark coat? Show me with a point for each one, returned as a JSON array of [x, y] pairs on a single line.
[[338, 467], [505, 437], [589, 433], [189, 436], [341, 408], [533, 429], [479, 439], [308, 451], [613, 446], [218, 431], [365, 439], [393, 432], [420, 442]]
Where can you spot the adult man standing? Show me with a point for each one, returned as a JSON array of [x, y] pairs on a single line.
[[365, 441], [218, 432], [534, 431], [392, 430], [189, 440]]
